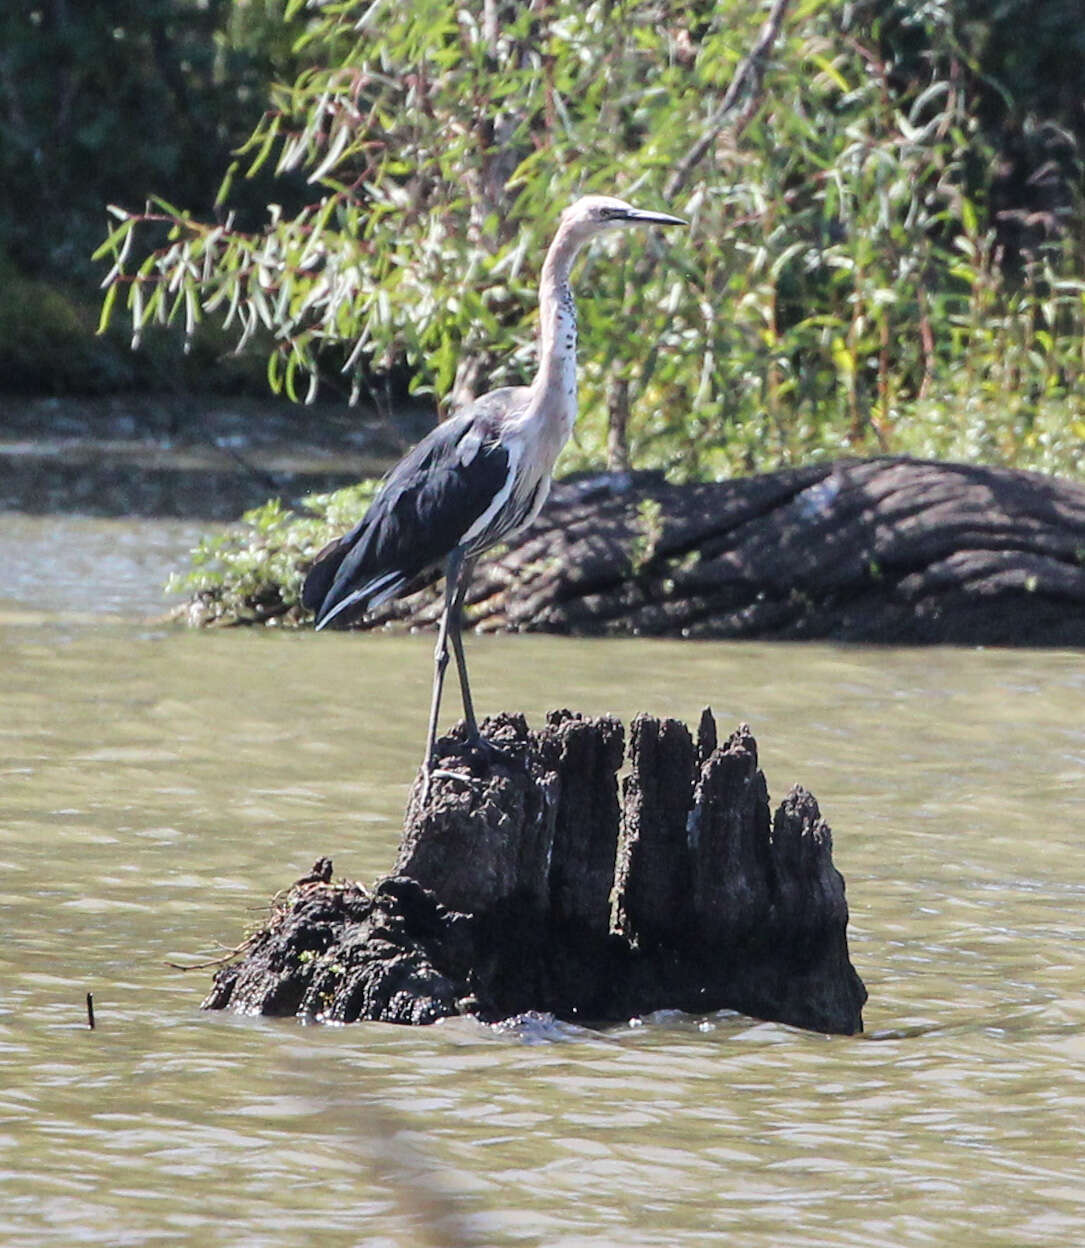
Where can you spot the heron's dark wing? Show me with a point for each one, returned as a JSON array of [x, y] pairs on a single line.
[[427, 503]]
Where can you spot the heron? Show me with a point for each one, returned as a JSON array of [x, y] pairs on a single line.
[[476, 479]]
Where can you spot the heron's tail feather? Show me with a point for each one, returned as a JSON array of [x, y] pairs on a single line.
[[321, 576], [377, 591]]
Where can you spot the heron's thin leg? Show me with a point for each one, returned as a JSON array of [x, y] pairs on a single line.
[[493, 753], [440, 655], [454, 622]]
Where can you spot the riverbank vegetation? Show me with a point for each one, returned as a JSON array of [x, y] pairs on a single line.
[[887, 258], [108, 103]]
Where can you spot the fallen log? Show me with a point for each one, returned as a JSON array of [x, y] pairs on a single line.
[[539, 883], [886, 550]]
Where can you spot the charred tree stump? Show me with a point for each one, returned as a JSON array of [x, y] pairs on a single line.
[[527, 885]]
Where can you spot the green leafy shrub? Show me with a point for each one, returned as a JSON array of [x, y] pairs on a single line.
[[847, 286], [252, 574], [103, 102]]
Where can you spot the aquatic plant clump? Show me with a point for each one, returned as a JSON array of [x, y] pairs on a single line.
[[252, 573]]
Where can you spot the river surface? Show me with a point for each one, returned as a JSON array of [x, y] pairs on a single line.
[[158, 786]]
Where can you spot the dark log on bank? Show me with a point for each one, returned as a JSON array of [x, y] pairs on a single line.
[[884, 550], [541, 884]]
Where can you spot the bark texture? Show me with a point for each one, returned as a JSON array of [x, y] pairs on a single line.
[[884, 550], [538, 884]]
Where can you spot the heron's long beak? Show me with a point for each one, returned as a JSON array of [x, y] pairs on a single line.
[[637, 216]]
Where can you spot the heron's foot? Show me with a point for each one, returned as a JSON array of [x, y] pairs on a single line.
[[431, 773], [483, 750], [442, 773], [472, 748]]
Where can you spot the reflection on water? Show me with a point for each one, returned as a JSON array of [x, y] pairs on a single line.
[[158, 786]]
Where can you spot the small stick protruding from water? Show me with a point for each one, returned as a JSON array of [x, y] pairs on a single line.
[[90, 1010]]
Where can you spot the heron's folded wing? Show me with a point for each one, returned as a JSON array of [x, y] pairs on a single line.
[[426, 505]]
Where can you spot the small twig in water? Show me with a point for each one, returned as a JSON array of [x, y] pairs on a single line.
[[202, 966]]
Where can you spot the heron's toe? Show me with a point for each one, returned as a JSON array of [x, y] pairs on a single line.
[[489, 752]]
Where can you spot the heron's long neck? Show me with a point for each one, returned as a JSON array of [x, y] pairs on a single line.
[[555, 383]]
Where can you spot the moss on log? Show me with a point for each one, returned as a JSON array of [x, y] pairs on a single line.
[[540, 883]]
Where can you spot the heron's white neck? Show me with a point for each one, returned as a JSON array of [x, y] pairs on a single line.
[[555, 382]]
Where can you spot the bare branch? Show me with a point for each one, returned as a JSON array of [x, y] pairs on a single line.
[[748, 85]]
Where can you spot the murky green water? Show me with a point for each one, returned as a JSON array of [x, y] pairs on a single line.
[[157, 786]]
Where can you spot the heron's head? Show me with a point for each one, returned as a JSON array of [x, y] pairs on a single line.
[[595, 214]]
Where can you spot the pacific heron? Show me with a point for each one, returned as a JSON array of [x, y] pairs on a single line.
[[475, 479]]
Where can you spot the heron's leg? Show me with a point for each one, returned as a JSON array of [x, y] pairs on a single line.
[[455, 636], [453, 569], [483, 746], [457, 577]]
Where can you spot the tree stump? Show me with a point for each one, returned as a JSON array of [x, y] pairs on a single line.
[[538, 883]]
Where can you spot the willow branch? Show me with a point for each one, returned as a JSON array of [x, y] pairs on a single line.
[[747, 86]]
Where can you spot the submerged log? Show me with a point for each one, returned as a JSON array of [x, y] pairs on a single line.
[[885, 550], [537, 884]]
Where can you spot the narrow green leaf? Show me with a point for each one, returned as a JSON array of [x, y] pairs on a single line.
[[107, 307]]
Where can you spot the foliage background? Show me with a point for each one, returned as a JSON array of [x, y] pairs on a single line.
[[888, 258], [108, 102]]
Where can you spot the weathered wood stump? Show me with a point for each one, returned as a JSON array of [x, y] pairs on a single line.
[[540, 884]]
